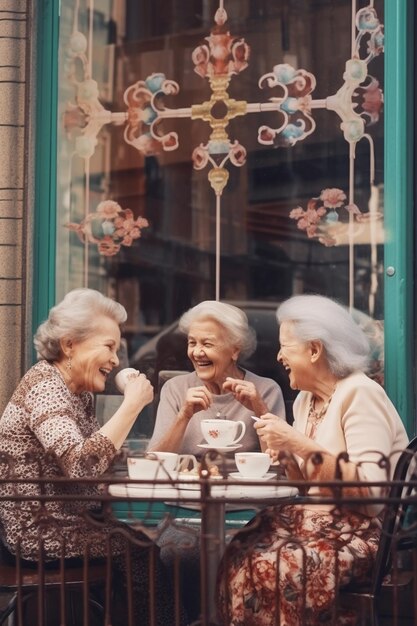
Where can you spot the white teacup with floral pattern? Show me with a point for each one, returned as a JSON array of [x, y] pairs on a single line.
[[252, 464], [222, 433]]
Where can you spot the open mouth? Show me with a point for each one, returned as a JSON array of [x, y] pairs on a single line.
[[104, 371], [203, 363]]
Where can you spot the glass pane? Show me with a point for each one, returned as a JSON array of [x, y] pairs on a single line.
[[226, 149]]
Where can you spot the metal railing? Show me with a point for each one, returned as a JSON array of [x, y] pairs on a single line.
[[119, 551]]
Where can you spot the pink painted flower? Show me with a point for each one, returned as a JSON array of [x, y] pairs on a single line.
[[332, 197], [372, 100], [108, 209], [109, 227]]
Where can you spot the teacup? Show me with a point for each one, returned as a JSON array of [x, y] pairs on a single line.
[[120, 379], [142, 468], [252, 464], [222, 433], [168, 459]]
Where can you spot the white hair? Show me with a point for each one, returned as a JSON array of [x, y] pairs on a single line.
[[74, 317], [233, 320], [319, 318]]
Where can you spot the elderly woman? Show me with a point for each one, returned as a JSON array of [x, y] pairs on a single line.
[[49, 429], [338, 410], [218, 334]]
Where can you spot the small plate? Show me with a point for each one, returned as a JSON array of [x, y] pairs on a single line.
[[189, 480], [207, 446], [238, 476]]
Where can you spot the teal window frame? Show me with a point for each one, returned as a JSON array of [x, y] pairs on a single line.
[[398, 188], [399, 250]]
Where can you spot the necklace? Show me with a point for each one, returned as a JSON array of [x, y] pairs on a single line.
[[314, 417], [221, 412]]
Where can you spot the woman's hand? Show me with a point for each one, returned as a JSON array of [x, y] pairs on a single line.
[[275, 433], [246, 393], [138, 391], [196, 399]]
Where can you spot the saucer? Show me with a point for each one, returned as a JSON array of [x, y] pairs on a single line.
[[207, 446], [238, 476]]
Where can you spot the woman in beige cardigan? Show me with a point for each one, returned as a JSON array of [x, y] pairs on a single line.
[[338, 410]]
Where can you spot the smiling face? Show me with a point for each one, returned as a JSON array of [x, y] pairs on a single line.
[[295, 356], [210, 352], [94, 358]]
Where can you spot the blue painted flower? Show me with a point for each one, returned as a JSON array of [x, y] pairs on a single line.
[[332, 217], [353, 129], [290, 105], [218, 147], [107, 227], [367, 19], [292, 131], [149, 115], [154, 81], [356, 69], [284, 73]]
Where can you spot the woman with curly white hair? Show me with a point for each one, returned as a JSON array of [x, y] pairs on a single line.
[[218, 335], [49, 429], [287, 566]]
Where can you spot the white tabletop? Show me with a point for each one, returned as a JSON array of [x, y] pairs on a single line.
[[190, 490]]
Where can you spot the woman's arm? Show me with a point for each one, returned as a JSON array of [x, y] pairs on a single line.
[[174, 414], [67, 427], [317, 463]]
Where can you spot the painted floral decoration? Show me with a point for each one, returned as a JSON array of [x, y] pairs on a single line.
[[322, 212], [109, 227]]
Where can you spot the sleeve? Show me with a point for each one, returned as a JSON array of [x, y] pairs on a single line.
[[368, 422], [54, 420], [169, 405]]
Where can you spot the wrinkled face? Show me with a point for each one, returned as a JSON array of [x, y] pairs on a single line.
[[94, 358], [210, 351], [295, 356]]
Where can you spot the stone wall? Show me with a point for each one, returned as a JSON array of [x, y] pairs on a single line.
[[13, 192]]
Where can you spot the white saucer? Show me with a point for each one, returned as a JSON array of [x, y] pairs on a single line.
[[208, 446], [238, 476]]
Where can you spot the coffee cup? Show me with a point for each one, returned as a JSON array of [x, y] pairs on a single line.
[[187, 463], [121, 377], [168, 459], [142, 468], [222, 433], [252, 464]]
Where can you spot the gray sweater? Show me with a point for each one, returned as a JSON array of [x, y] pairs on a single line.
[[172, 399]]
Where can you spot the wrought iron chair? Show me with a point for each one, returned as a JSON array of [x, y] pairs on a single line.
[[398, 533], [25, 584]]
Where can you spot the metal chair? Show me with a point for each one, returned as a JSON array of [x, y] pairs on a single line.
[[397, 535], [24, 584]]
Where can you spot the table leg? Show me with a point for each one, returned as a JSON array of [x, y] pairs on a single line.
[[212, 548]]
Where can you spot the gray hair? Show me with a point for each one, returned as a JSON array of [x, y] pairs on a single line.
[[320, 318], [233, 320], [74, 317]]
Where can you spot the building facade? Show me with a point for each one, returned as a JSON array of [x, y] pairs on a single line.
[[167, 152]]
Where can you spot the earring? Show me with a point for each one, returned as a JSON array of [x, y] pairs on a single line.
[[69, 363]]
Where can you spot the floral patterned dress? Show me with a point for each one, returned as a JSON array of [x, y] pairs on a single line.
[[287, 566]]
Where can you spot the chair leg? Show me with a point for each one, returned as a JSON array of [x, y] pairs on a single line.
[[9, 609]]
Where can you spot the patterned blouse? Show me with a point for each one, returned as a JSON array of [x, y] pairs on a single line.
[[48, 431]]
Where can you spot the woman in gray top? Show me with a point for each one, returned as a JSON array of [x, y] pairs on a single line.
[[218, 334]]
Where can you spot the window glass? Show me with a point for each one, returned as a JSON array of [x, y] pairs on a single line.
[[227, 149]]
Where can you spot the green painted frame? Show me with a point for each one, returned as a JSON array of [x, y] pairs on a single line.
[[399, 247], [399, 181], [44, 241]]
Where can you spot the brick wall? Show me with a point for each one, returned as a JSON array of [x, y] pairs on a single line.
[[13, 195]]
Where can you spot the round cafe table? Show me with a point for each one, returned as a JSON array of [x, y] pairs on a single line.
[[209, 503]]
